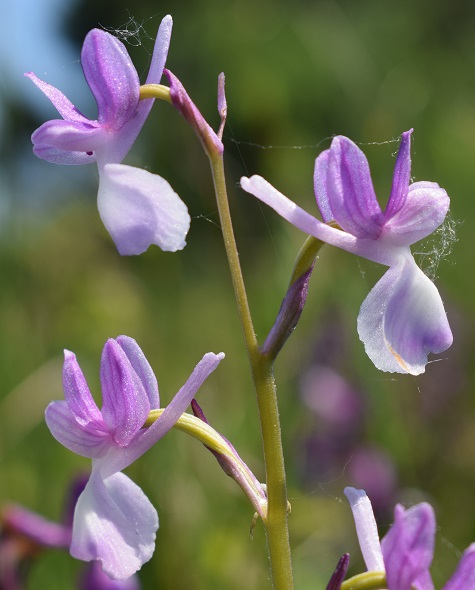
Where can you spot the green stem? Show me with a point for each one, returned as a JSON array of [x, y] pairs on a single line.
[[262, 371], [278, 545], [366, 581]]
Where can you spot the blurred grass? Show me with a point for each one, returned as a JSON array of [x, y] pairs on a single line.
[[296, 75]]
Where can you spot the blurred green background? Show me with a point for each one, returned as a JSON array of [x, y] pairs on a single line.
[[297, 73]]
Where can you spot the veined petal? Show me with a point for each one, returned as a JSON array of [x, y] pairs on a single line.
[[142, 367], [464, 576], [348, 189], [139, 209], [62, 104], [114, 523], [403, 319], [125, 402], [408, 547], [366, 529], [71, 136], [121, 458], [86, 441], [77, 394], [112, 77], [425, 209], [401, 177], [129, 132]]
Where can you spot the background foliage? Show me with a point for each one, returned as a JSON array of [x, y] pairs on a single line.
[[297, 73]]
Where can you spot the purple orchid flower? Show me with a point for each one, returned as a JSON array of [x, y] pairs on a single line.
[[406, 551], [114, 522], [138, 208], [403, 318]]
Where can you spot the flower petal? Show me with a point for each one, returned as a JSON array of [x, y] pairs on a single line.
[[125, 401], [403, 319], [401, 177], [408, 547], [464, 576], [112, 78], [139, 209], [129, 132], [142, 367], [86, 441], [80, 402], [368, 248], [425, 209], [114, 523], [121, 458], [366, 529], [70, 136], [344, 187], [62, 104], [57, 156]]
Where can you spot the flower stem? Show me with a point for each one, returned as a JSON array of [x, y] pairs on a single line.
[[366, 581], [262, 371]]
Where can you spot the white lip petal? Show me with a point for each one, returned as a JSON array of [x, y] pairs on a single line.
[[140, 209], [403, 320]]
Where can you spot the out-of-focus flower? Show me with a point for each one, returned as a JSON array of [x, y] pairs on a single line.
[[25, 534], [403, 319], [406, 551], [138, 208], [114, 522]]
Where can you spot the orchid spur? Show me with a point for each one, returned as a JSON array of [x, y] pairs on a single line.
[[138, 208], [406, 551], [403, 318], [114, 522]]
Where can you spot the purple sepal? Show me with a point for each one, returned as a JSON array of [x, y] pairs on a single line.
[[340, 572], [186, 107], [408, 546], [464, 576]]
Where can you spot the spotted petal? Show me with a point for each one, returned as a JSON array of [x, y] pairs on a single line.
[[403, 319]]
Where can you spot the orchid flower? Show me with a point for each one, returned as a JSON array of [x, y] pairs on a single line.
[[138, 208], [403, 318], [114, 522], [406, 551]]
